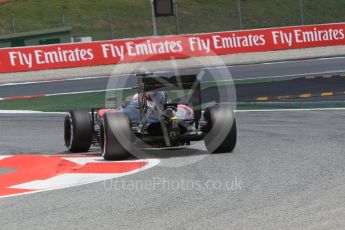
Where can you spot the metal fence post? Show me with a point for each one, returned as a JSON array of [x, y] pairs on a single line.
[[110, 19], [301, 8], [154, 25], [63, 19], [176, 18], [240, 13], [13, 24]]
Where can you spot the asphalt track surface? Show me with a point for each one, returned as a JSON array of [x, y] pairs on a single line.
[[285, 173], [288, 170], [278, 69]]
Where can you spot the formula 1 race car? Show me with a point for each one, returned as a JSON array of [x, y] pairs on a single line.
[[151, 119]]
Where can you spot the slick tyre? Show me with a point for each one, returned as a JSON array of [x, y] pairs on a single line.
[[222, 131], [78, 131], [101, 136], [117, 136]]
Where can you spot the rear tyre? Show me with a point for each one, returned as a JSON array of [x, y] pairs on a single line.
[[101, 136], [117, 136], [222, 131], [78, 131]]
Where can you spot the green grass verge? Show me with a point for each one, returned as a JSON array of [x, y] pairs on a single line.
[[132, 18], [98, 100]]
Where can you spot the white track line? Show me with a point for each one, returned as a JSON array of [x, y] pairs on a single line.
[[293, 75], [288, 110], [305, 60], [82, 92], [74, 93], [230, 66], [58, 94], [19, 111], [236, 111], [29, 112], [52, 81]]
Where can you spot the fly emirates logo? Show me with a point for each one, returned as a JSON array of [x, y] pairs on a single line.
[[298, 36], [40, 57]]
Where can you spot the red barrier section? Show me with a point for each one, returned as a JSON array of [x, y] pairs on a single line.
[[168, 47]]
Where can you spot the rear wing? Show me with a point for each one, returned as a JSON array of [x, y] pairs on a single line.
[[159, 82], [149, 82]]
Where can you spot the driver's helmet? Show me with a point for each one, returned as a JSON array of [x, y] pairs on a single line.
[[152, 99], [135, 97]]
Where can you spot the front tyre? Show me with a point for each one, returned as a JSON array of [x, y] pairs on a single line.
[[222, 131], [78, 131], [117, 136]]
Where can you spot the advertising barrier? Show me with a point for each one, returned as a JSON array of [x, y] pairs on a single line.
[[169, 47]]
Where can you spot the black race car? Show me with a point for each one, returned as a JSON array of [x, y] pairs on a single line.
[[150, 119]]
